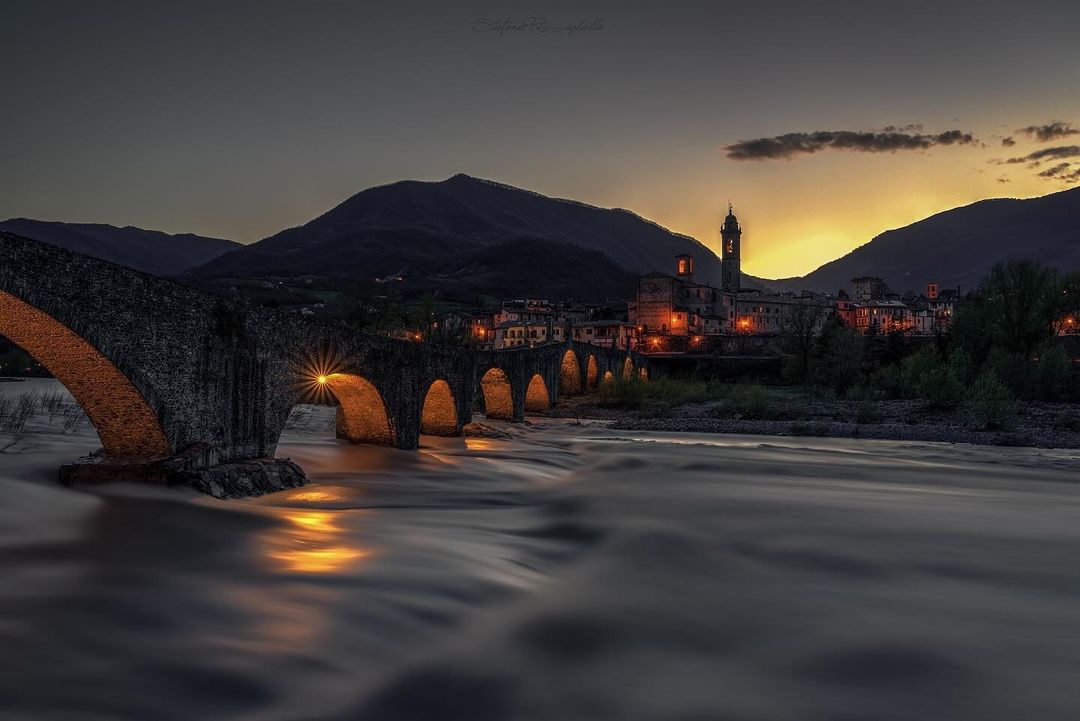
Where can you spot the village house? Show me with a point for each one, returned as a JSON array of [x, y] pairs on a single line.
[[883, 316], [882, 310], [607, 333], [514, 333]]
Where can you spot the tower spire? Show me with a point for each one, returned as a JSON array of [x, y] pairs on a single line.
[[731, 236]]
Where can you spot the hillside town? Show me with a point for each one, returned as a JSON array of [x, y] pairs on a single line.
[[675, 314]]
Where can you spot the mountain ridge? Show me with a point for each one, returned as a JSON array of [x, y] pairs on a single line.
[[469, 234], [957, 247], [379, 229], [149, 251]]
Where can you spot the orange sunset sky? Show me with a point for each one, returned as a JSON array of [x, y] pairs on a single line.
[[218, 120]]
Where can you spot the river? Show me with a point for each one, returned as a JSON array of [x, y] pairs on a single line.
[[569, 572]]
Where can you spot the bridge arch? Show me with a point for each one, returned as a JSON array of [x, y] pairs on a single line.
[[126, 424], [628, 369], [496, 392], [439, 415], [608, 377], [537, 398], [570, 374], [592, 373], [361, 415], [643, 374]]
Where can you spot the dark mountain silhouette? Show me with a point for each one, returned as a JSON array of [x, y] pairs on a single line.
[[150, 251], [959, 246], [472, 233]]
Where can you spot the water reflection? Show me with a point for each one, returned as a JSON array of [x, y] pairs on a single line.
[[479, 444], [314, 543], [309, 495]]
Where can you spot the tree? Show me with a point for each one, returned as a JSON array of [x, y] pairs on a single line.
[[1023, 305], [800, 334], [837, 356], [1010, 327]]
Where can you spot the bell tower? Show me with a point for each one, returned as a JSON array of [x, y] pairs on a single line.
[[731, 237]]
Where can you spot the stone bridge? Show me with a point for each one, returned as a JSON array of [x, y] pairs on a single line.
[[168, 371]]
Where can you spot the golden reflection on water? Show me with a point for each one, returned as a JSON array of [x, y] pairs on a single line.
[[315, 544], [479, 444], [313, 520], [313, 496]]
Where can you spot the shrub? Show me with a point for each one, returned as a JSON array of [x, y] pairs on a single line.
[[941, 388], [915, 369], [961, 365], [802, 428], [717, 390], [890, 381], [990, 405], [628, 394], [750, 401], [791, 410], [859, 393], [1054, 371], [867, 413], [16, 412]]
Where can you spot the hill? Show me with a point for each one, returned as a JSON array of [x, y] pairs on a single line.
[[957, 247], [150, 251], [474, 234]]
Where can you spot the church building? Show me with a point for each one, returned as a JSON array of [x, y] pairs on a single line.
[[674, 312], [679, 306]]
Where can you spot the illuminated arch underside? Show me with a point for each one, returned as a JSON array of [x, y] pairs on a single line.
[[439, 416], [591, 372], [608, 377], [643, 374], [498, 401], [570, 374], [361, 413], [126, 425], [627, 369], [536, 396]]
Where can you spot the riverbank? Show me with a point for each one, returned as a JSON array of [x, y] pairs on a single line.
[[787, 411]]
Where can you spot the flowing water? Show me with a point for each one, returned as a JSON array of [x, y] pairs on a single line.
[[570, 572]]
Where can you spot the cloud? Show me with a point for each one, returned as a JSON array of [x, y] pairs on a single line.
[[1054, 171], [1049, 131], [1055, 153], [1065, 172], [909, 128], [1008, 142], [793, 144]]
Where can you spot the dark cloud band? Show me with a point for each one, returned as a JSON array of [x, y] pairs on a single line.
[[1050, 131], [1055, 171], [794, 144], [1055, 153], [1067, 172]]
